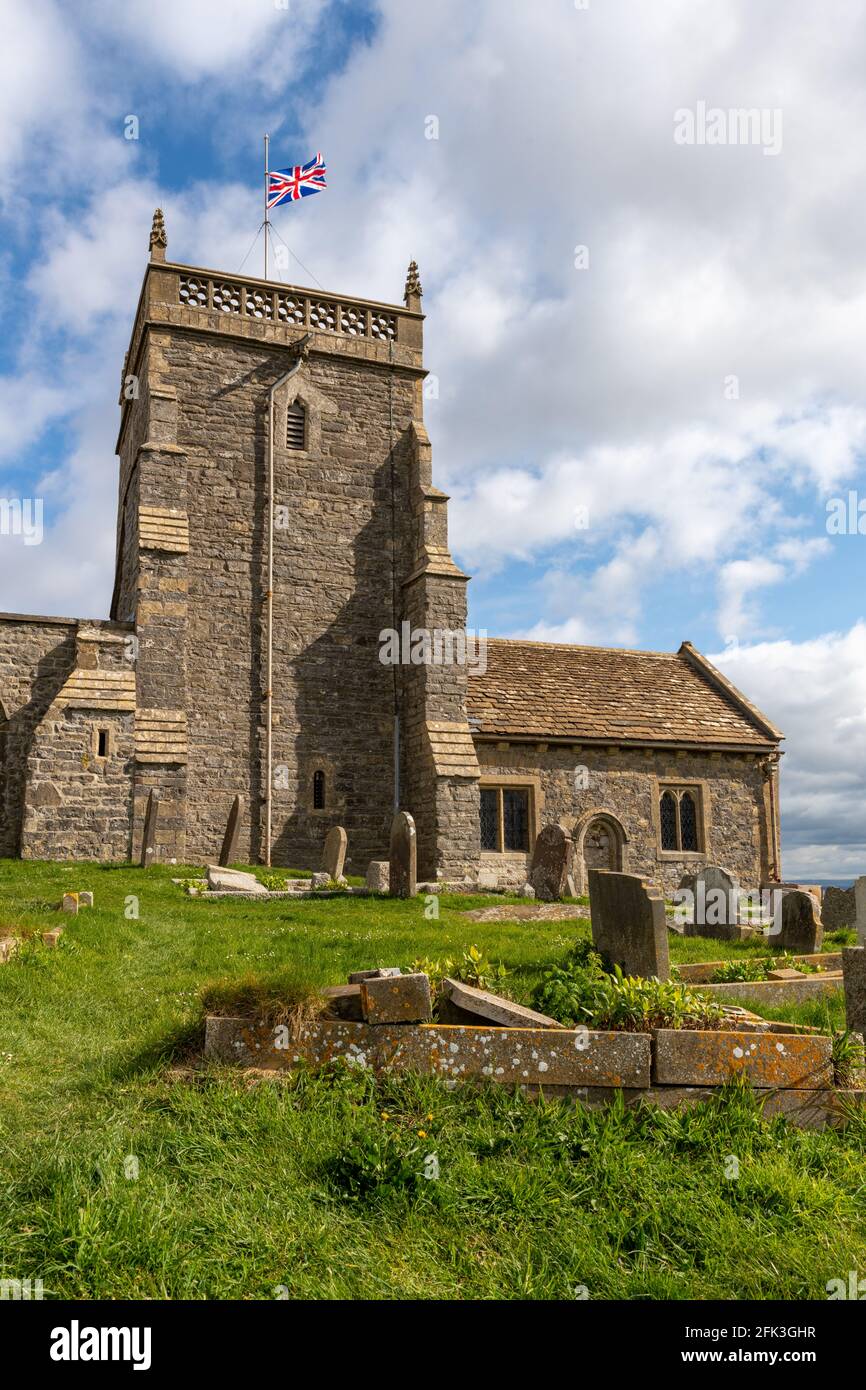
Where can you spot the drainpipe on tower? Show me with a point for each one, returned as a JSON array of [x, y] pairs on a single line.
[[301, 348]]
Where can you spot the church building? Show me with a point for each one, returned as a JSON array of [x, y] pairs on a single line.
[[276, 519]]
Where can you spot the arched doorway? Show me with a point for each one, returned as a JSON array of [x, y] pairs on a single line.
[[600, 842]]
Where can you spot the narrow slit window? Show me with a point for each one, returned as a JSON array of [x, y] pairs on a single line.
[[296, 426], [318, 791], [102, 743]]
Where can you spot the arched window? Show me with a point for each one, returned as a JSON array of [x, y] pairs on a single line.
[[668, 817], [319, 790], [688, 822], [679, 820], [296, 426]]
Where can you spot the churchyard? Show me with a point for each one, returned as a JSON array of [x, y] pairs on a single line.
[[135, 1166]]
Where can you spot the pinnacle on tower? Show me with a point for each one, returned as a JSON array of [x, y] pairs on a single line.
[[158, 238], [413, 287]]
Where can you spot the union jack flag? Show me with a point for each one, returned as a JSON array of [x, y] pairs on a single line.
[[288, 185]]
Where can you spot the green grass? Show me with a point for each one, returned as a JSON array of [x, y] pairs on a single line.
[[242, 1188]]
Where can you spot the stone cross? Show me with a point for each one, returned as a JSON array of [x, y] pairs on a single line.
[[334, 853], [802, 930], [148, 839], [229, 851], [403, 857], [549, 867], [628, 924]]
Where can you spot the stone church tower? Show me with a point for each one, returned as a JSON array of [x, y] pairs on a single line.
[[244, 401]]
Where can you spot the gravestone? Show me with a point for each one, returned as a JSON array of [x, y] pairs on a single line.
[[860, 909], [549, 867], [85, 899], [148, 838], [229, 851], [378, 872], [628, 924], [854, 976], [403, 857], [714, 903], [838, 908], [70, 903], [334, 853], [802, 930]]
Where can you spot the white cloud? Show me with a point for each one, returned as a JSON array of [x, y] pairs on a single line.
[[815, 691]]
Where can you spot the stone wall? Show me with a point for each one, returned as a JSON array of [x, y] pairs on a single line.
[[36, 656], [79, 804], [625, 783], [59, 798]]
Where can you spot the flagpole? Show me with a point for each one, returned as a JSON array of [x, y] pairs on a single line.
[[266, 207]]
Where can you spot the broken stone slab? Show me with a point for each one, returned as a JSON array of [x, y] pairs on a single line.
[[479, 1006], [488, 881], [344, 1001], [628, 924], [378, 871], [334, 852], [320, 879], [396, 999], [8, 946], [51, 938], [383, 972], [785, 973], [524, 1056], [223, 880], [683, 1057], [527, 890]]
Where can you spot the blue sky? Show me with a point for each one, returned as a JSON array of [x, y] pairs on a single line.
[[599, 379]]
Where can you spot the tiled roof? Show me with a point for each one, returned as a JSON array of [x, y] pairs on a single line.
[[542, 690]]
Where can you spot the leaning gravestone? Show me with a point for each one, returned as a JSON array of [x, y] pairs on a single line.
[[549, 867], [628, 924], [403, 857], [334, 853], [148, 839], [229, 851], [860, 909], [802, 930], [714, 896], [854, 977]]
